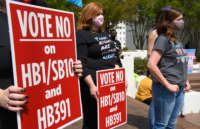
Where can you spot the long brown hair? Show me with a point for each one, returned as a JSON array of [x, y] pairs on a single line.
[[164, 19], [90, 11], [2, 5]]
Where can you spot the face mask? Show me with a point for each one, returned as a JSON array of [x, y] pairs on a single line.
[[98, 20], [179, 25]]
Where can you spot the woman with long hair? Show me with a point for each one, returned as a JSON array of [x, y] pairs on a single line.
[[168, 67], [97, 52]]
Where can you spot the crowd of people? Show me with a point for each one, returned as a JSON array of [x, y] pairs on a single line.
[[167, 69]]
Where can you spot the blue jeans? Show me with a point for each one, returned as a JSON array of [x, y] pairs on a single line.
[[166, 106], [151, 115]]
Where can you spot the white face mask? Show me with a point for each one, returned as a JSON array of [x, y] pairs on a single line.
[[98, 20], [179, 25]]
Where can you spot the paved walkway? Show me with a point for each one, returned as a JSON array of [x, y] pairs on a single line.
[[138, 118]]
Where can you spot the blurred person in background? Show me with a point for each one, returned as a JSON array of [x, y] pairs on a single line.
[[168, 67]]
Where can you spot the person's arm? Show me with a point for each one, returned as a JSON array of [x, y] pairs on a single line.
[[12, 98], [82, 53], [155, 71], [82, 50], [187, 86], [151, 40], [93, 89]]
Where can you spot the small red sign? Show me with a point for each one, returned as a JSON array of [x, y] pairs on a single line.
[[112, 108], [43, 53]]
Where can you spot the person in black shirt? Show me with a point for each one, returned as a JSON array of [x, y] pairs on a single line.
[[97, 52], [12, 98], [117, 43]]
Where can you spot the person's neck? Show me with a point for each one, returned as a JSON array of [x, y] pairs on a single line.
[[94, 29], [173, 30]]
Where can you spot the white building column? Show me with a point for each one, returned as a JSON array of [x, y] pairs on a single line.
[[128, 64]]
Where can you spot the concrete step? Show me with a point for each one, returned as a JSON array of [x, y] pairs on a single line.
[[194, 79], [196, 89], [191, 102], [195, 86], [194, 75]]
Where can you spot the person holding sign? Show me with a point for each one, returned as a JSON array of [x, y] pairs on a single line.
[[12, 98], [168, 67], [97, 52]]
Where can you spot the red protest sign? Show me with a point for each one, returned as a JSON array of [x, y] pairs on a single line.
[[112, 108], [43, 52]]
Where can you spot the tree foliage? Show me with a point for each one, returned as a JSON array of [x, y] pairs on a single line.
[[140, 14], [114, 10], [146, 11]]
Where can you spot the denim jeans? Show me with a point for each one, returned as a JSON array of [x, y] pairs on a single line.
[[166, 106], [151, 115]]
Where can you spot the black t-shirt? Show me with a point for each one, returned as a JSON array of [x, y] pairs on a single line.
[[6, 76], [96, 51], [174, 60], [7, 118]]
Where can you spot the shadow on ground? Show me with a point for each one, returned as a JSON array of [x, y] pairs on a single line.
[[137, 121]]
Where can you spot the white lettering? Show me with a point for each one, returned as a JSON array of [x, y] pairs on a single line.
[[26, 75], [59, 26], [67, 28], [33, 17], [23, 25], [41, 119], [48, 25]]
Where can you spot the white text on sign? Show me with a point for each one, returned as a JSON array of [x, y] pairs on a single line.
[[109, 78], [109, 100], [53, 114], [35, 73], [113, 119], [40, 25]]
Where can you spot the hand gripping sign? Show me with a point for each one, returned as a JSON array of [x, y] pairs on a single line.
[[43, 52], [112, 107]]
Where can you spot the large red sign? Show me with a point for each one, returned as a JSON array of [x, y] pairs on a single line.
[[112, 108], [43, 52]]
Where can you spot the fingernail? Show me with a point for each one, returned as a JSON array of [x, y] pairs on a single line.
[[22, 90], [26, 97]]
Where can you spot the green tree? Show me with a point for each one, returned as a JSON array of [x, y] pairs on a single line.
[[192, 22], [140, 14], [66, 6], [142, 23], [114, 10], [145, 14]]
